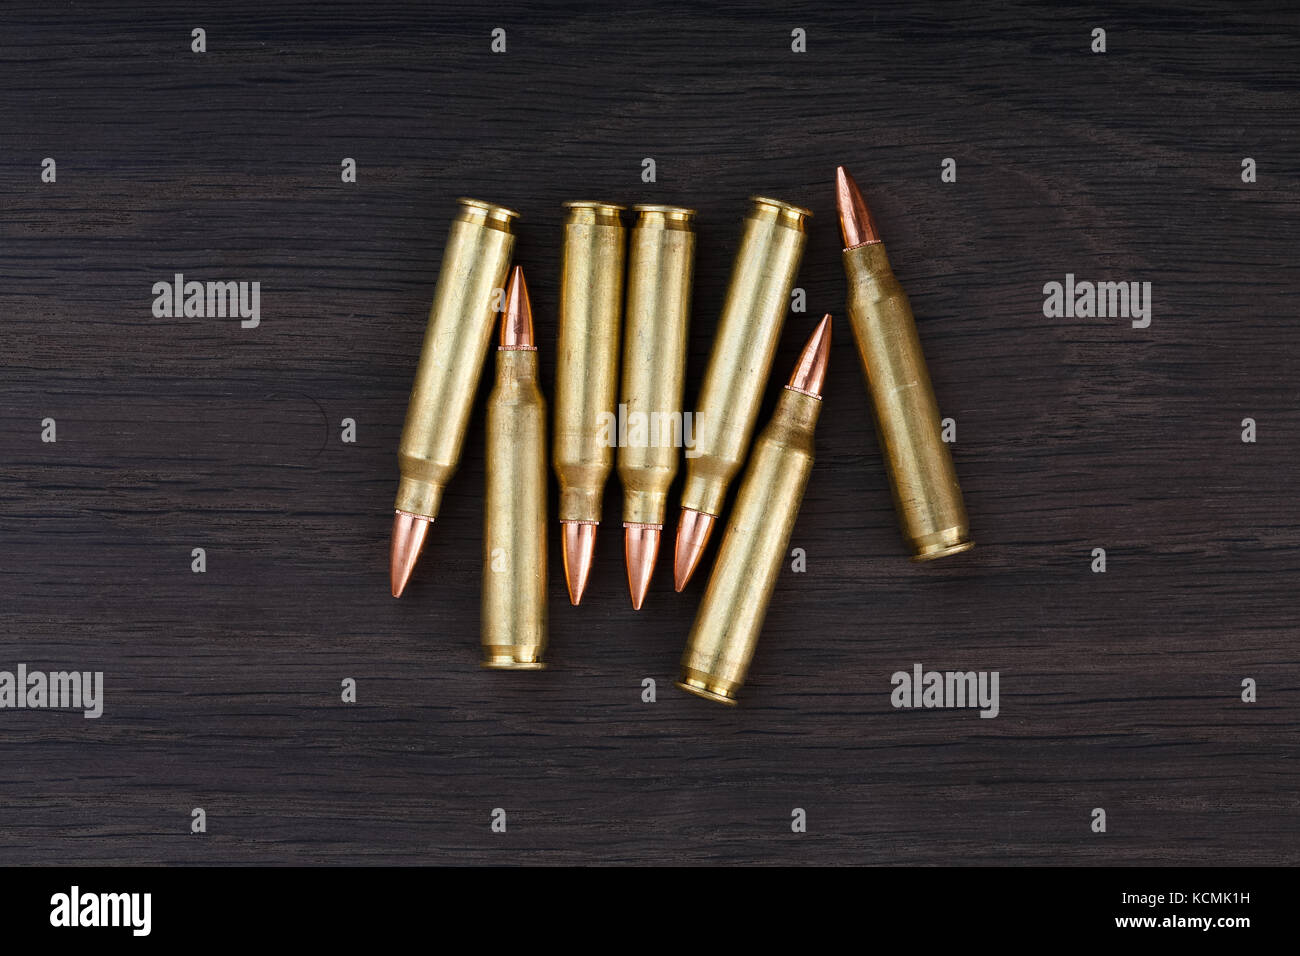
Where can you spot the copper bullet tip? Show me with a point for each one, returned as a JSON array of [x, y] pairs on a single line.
[[692, 536], [408, 538], [579, 538], [641, 548], [810, 371], [856, 224], [517, 320]]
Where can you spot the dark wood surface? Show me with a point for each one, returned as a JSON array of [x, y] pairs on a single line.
[[1118, 690]]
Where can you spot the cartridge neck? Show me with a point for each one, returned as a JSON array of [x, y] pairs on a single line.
[[869, 257], [644, 506], [705, 489], [798, 410], [419, 496], [516, 364], [581, 502]]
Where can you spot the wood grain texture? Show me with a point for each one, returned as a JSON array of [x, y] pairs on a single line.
[[1118, 690]]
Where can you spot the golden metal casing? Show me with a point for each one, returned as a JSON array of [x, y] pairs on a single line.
[[921, 474], [756, 304], [730, 617], [586, 361], [470, 282], [513, 610], [661, 262]]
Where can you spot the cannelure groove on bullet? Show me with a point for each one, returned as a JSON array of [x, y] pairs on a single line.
[[513, 615], [922, 478], [757, 300], [586, 376], [753, 550], [475, 262], [661, 262]]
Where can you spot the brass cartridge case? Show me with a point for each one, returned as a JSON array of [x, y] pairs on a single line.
[[757, 300], [921, 473], [661, 265], [514, 516], [730, 617], [586, 362], [474, 267]]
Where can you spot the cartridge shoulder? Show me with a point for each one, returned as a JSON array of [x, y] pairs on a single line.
[[512, 388], [787, 438]]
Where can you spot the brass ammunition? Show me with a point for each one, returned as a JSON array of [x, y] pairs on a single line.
[[749, 328], [753, 549], [586, 374], [661, 262], [514, 516], [921, 473], [474, 266]]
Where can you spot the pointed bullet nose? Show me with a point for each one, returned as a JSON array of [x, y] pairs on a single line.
[[517, 320], [810, 371], [641, 548], [409, 532], [856, 225], [579, 545], [692, 536]]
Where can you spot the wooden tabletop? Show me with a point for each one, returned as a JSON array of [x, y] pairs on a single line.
[[1120, 690]]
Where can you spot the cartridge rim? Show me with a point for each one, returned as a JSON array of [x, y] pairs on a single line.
[[490, 209], [934, 551], [507, 662], [709, 686], [594, 204], [681, 211], [700, 690], [780, 205]]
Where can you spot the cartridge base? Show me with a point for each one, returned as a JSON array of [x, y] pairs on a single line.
[[710, 688], [941, 544], [508, 659]]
